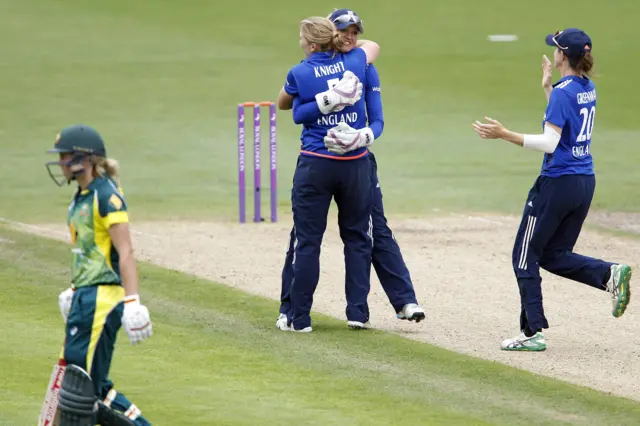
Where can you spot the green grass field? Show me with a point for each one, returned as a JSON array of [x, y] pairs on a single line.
[[216, 359], [161, 81]]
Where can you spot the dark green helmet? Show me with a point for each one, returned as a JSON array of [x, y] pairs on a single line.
[[79, 138], [81, 141]]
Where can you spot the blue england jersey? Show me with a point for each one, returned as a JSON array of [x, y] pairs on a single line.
[[572, 107], [318, 73]]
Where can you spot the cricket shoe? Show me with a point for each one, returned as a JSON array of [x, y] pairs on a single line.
[[357, 325], [281, 323], [411, 312], [619, 287], [534, 343]]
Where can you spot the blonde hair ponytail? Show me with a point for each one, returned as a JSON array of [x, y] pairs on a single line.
[[322, 32], [338, 42], [107, 166]]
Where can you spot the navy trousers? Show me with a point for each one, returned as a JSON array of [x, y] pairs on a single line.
[[386, 257], [316, 181], [551, 223]]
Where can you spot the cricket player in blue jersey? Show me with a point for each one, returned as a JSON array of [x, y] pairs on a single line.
[[387, 257], [334, 80], [560, 199]]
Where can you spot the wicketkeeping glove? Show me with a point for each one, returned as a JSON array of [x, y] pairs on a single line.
[[346, 92], [344, 138], [64, 300], [136, 320]]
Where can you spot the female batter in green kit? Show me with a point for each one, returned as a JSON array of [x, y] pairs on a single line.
[[104, 290]]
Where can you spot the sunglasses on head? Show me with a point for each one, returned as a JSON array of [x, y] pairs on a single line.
[[556, 41], [347, 18]]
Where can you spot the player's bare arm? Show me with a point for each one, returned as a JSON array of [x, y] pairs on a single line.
[[545, 142], [135, 318], [121, 237], [547, 75], [285, 100], [371, 48]]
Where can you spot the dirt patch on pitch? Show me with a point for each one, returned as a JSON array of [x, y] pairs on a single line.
[[461, 268], [627, 222]]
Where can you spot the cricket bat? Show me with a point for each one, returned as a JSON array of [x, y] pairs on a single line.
[[50, 416]]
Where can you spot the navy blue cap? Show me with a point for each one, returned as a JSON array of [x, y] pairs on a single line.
[[573, 42], [343, 18]]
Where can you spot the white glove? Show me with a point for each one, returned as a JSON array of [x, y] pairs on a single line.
[[344, 138], [64, 300], [136, 320], [346, 92]]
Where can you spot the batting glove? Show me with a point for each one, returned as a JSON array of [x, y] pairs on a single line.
[[344, 138], [346, 92], [64, 300], [136, 320]]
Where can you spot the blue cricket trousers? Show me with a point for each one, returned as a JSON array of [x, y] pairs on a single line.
[[316, 181], [386, 256], [387, 259], [551, 223]]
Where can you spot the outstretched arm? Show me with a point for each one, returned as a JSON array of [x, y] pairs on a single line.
[[545, 142]]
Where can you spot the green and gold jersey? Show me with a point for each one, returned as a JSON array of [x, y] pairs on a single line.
[[91, 212]]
